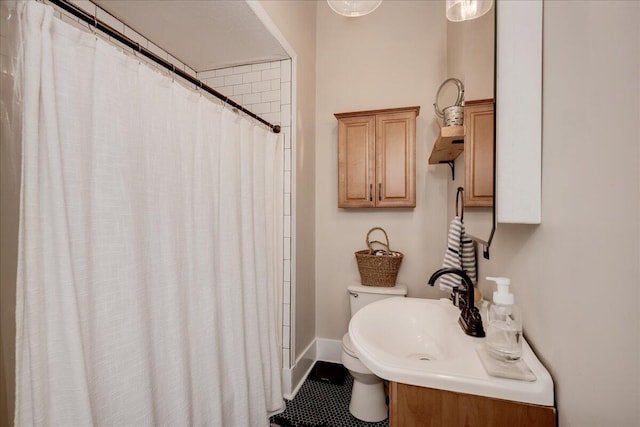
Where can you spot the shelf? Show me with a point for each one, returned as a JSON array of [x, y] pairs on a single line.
[[448, 146]]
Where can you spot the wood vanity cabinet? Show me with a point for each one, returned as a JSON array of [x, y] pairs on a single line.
[[478, 153], [377, 158], [412, 406]]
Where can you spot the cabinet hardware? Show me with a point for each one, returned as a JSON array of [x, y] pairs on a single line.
[[380, 191]]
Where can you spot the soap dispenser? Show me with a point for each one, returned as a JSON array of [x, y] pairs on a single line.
[[504, 331]]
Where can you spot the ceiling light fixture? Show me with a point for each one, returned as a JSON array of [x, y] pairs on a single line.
[[466, 10], [353, 8]]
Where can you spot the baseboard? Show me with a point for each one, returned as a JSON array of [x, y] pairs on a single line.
[[294, 377], [319, 349], [329, 350]]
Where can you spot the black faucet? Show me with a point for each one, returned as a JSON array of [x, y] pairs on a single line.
[[470, 320]]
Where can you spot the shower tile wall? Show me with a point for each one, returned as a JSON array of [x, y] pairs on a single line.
[[263, 88]]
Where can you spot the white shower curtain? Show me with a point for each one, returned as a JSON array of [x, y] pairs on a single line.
[[147, 268]]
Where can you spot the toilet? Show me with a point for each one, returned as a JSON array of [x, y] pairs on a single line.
[[367, 396]]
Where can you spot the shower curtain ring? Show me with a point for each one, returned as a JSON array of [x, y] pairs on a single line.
[[93, 27]]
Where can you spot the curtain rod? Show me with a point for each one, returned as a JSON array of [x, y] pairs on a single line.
[[99, 25]]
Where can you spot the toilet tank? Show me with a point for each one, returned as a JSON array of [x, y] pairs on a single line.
[[359, 295]]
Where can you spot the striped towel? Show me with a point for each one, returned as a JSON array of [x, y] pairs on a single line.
[[460, 254]]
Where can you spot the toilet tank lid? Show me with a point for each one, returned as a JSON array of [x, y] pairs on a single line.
[[400, 290]]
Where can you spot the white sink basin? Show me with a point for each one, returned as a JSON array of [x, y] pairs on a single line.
[[419, 342]]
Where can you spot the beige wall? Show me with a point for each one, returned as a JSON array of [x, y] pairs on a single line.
[[297, 21], [394, 57], [577, 275]]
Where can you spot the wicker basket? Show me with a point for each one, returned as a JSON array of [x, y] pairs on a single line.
[[378, 270]]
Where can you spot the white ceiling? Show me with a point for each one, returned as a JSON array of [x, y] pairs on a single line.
[[204, 34]]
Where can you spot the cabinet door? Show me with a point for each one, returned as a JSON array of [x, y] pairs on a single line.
[[356, 151], [412, 406], [478, 153], [395, 160]]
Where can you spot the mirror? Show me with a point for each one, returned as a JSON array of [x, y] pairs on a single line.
[[471, 58]]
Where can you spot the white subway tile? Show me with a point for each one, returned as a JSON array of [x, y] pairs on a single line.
[[135, 36], [260, 86], [286, 314], [285, 111], [260, 67], [287, 183], [287, 204], [222, 72], [233, 80], [67, 17], [277, 94], [285, 71], [85, 5], [157, 50], [262, 108], [175, 61], [287, 230], [287, 246], [242, 69], [215, 82], [242, 89], [189, 70], [285, 92], [286, 293], [111, 21], [272, 95], [205, 75], [285, 358], [251, 98], [225, 90], [286, 130], [270, 74], [287, 159], [286, 339], [273, 118], [251, 77]]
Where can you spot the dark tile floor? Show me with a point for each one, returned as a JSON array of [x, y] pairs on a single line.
[[319, 403]]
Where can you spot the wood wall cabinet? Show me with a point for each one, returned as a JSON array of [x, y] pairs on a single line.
[[377, 158], [412, 406], [478, 153]]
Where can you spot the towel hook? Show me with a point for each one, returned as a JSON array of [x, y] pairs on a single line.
[[460, 206]]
